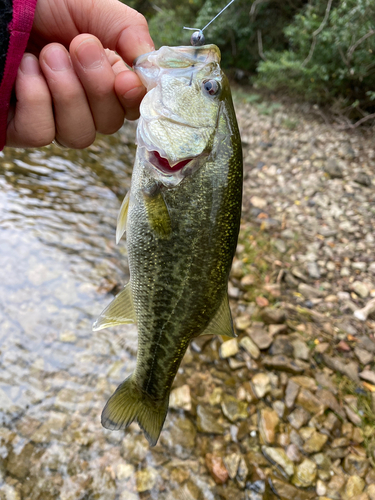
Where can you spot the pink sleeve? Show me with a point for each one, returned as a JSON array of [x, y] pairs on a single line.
[[19, 30]]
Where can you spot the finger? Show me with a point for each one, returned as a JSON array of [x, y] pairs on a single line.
[[32, 123], [130, 92], [97, 77], [117, 26], [75, 126]]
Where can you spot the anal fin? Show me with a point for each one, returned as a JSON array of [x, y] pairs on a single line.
[[119, 312], [221, 323]]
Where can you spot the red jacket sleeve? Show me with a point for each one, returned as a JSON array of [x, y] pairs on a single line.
[[18, 16]]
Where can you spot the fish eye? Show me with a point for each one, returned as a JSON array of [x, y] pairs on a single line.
[[211, 87]]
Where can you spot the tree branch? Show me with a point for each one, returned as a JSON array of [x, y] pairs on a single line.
[[316, 32], [358, 42], [260, 45], [254, 6]]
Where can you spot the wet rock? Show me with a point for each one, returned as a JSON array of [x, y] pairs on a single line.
[[145, 479], [298, 418], [268, 422], [260, 337], [180, 398], [279, 407], [291, 393], [283, 363], [18, 463], [124, 471], [249, 346], [287, 491], [180, 436], [231, 463], [280, 458], [306, 382], [207, 421], [315, 443], [261, 384], [135, 447], [354, 487], [356, 465], [293, 453], [371, 491], [328, 400], [305, 473], [229, 348], [233, 409], [273, 316], [311, 403], [216, 467]]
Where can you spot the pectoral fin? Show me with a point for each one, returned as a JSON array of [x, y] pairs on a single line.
[[157, 212], [122, 218], [221, 323], [120, 311]]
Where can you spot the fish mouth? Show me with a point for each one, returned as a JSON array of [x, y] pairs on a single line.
[[163, 164]]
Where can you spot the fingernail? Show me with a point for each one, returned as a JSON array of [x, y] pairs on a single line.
[[90, 54], [133, 94], [29, 65], [57, 59]]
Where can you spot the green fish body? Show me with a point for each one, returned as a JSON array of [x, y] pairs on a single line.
[[181, 218]]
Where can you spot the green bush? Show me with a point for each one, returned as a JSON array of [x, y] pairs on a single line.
[[342, 64]]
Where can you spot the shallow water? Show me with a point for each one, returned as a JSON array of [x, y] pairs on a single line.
[[59, 267]]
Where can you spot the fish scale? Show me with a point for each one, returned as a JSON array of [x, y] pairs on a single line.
[[181, 233]]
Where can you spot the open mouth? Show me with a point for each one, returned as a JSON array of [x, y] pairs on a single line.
[[163, 165]]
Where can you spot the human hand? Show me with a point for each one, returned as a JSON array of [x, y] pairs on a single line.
[[71, 94]]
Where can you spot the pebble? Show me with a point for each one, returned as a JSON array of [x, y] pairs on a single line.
[[250, 347], [291, 393], [261, 384], [309, 292], [145, 479], [315, 443], [207, 421], [260, 337], [279, 457], [272, 316], [268, 422], [231, 463], [354, 487], [305, 473], [180, 398], [233, 409], [217, 469], [229, 348], [360, 289]]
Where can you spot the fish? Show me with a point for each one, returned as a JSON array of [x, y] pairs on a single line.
[[181, 217]]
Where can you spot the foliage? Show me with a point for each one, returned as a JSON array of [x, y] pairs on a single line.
[[275, 38], [342, 63]]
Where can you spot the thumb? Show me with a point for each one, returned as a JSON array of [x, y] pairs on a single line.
[[118, 27]]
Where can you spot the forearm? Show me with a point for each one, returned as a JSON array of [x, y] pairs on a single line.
[[16, 19]]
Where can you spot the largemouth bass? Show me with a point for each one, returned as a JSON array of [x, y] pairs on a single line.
[[181, 218]]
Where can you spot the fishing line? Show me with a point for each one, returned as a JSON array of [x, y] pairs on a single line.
[[197, 38]]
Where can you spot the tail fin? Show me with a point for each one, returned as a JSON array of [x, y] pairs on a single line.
[[128, 403]]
